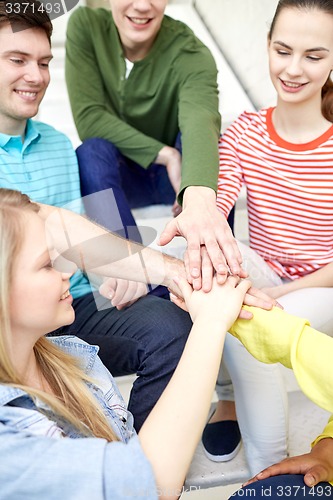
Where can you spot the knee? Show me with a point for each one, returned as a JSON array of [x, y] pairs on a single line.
[[174, 324], [97, 150], [94, 144], [99, 161]]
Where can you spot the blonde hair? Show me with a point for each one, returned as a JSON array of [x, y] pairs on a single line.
[[72, 399]]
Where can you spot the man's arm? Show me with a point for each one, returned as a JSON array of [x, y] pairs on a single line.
[[205, 228], [200, 223], [98, 251], [316, 466]]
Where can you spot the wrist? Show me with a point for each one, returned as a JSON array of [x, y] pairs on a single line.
[[324, 448], [173, 268], [217, 326], [199, 194], [167, 154]]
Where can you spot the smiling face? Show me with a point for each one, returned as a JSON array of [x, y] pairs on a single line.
[[24, 76], [40, 301], [138, 23], [301, 54]]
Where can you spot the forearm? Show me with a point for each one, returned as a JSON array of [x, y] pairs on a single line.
[[275, 336], [177, 420], [96, 250], [200, 125], [166, 155], [230, 178], [323, 277], [199, 195], [94, 120], [196, 179]]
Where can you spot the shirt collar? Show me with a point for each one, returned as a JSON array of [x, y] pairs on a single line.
[[72, 345], [31, 134]]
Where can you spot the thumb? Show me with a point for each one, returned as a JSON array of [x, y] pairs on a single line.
[[107, 289], [315, 475], [184, 286], [168, 233]]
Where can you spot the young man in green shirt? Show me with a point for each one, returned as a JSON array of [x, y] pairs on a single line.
[[138, 81]]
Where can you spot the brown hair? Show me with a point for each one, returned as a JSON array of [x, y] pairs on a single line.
[[327, 7], [24, 15]]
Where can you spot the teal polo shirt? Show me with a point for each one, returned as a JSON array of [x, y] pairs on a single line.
[[45, 168]]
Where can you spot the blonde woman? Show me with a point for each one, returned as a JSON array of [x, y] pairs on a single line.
[[64, 428]]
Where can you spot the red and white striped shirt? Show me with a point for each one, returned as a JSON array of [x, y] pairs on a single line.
[[289, 192]]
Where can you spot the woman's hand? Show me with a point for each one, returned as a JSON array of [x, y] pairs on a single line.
[[222, 304], [316, 466], [253, 297], [257, 298]]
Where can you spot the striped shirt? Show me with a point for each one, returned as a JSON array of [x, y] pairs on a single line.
[[45, 168], [289, 192]]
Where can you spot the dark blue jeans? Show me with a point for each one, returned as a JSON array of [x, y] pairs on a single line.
[[285, 486], [147, 339], [125, 184], [103, 167]]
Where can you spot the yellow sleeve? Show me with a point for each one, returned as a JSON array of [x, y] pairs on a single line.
[[276, 336], [327, 432]]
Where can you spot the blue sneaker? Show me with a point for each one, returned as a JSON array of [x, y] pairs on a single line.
[[221, 440]]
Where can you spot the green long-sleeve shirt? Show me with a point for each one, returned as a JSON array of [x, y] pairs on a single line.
[[174, 88]]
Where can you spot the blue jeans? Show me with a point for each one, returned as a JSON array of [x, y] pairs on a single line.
[[125, 184], [103, 167], [285, 486], [147, 338]]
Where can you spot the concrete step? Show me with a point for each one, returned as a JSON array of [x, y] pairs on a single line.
[[306, 422]]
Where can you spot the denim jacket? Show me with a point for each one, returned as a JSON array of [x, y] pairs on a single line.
[[37, 463]]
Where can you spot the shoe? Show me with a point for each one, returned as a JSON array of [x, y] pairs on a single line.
[[221, 440]]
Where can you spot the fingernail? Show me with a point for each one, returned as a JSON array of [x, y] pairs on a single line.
[[311, 480], [195, 272]]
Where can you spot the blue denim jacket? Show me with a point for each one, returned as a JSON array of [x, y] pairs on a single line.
[[36, 463]]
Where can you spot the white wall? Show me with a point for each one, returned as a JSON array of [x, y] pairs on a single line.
[[240, 29]]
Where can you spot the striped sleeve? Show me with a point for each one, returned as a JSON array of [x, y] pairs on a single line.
[[289, 192], [230, 178]]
